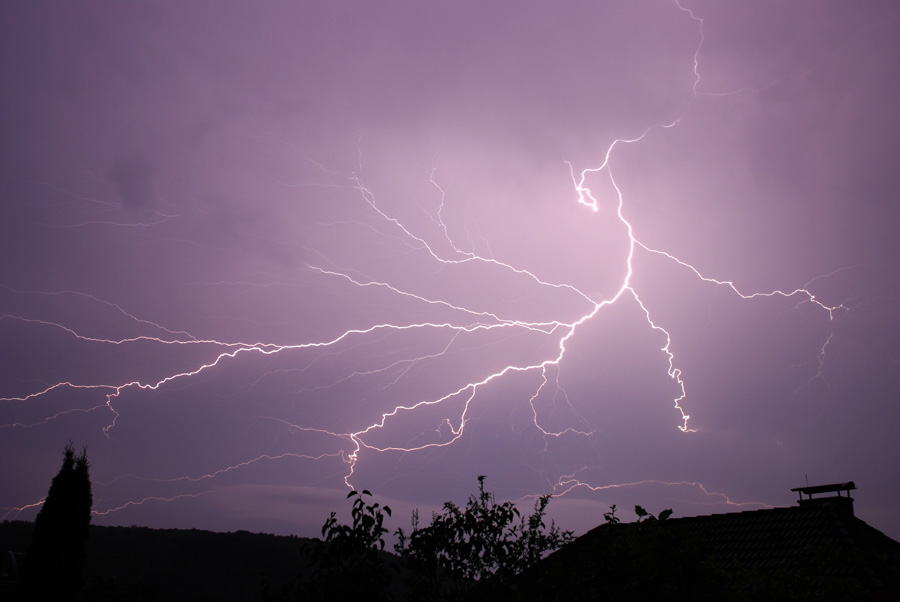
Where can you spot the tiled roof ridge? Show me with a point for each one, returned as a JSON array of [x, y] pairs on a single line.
[[774, 509], [832, 510]]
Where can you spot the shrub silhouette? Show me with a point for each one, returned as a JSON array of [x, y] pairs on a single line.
[[478, 546], [55, 561], [347, 565], [482, 543]]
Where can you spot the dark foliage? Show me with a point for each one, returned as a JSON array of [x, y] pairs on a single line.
[[348, 565], [54, 566], [476, 546], [458, 556]]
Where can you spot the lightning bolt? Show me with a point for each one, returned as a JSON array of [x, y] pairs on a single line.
[[450, 410]]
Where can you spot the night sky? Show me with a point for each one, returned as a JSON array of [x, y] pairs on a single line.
[[618, 252]]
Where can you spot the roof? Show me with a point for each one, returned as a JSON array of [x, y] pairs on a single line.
[[811, 551], [784, 538]]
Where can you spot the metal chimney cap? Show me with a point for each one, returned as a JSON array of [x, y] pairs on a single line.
[[834, 487]]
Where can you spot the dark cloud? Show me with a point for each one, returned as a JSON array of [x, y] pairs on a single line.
[[132, 177]]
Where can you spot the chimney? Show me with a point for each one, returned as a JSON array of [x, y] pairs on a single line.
[[843, 503]]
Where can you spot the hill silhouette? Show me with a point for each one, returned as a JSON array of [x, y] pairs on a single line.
[[140, 563]]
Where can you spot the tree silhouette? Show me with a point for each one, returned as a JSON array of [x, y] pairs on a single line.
[[347, 565], [481, 545], [55, 561]]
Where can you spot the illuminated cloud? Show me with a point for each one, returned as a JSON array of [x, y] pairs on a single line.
[[253, 255]]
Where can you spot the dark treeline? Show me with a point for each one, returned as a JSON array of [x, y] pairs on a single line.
[[61, 556], [454, 556], [139, 563], [463, 552], [482, 550]]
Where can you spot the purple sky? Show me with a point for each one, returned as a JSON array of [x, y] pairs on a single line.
[[236, 237]]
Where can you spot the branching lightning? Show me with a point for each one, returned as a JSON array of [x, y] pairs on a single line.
[[359, 442]]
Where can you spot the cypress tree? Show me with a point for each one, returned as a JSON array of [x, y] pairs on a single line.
[[54, 565]]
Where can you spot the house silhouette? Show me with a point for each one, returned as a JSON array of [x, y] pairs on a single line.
[[815, 550]]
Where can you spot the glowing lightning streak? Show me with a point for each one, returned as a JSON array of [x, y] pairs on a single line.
[[151, 498], [12, 511], [407, 363], [222, 471], [117, 307], [585, 197], [569, 482], [563, 330], [468, 257]]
